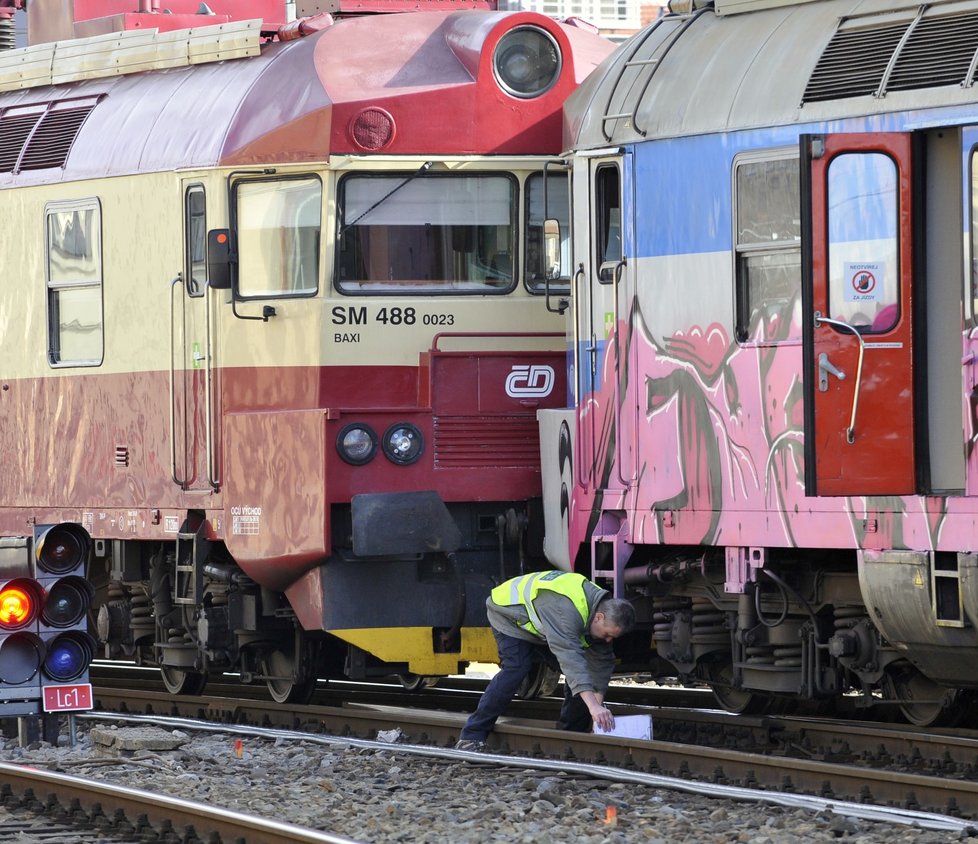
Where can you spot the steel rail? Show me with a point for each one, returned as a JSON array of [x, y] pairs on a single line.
[[206, 819], [635, 749]]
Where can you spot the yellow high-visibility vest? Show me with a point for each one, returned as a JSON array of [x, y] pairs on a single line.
[[522, 590]]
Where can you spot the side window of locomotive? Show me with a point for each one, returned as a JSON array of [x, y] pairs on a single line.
[[423, 234], [558, 208], [767, 249], [195, 241], [863, 243], [278, 226], [607, 220], [73, 266], [973, 252]]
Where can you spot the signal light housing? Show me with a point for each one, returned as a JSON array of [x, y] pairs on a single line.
[[45, 647], [61, 554]]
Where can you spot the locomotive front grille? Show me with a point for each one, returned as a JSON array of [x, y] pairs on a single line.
[[464, 442]]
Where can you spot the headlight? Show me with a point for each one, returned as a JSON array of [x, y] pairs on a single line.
[[403, 443], [526, 62], [357, 444]]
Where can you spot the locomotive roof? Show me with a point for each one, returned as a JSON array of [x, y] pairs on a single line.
[[296, 100], [775, 62]]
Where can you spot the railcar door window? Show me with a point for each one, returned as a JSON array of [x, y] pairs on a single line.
[[973, 275], [607, 221], [73, 264], [768, 250], [427, 234], [278, 224], [195, 234], [558, 201], [863, 221]]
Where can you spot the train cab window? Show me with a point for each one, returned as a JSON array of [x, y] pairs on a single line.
[[195, 241], [73, 265], [424, 234], [558, 208], [973, 275], [863, 243], [607, 220], [768, 249], [278, 225]]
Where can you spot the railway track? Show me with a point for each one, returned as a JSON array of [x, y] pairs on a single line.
[[40, 805], [875, 766]]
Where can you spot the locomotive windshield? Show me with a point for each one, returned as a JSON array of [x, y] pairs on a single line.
[[440, 233]]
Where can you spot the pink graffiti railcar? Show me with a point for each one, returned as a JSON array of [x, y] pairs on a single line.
[[276, 325], [775, 351]]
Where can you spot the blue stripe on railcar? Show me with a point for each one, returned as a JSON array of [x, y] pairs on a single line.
[[683, 185]]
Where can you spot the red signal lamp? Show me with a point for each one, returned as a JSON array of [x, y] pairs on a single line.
[[20, 603]]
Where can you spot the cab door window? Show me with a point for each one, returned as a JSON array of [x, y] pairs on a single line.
[[195, 241], [607, 220]]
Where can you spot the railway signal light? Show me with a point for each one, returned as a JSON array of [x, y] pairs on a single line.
[[61, 554], [45, 647]]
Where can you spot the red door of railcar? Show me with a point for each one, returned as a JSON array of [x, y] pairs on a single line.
[[859, 316]]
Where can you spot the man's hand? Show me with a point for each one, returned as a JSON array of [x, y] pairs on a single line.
[[600, 713]]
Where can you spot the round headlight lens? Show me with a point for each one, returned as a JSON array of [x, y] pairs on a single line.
[[526, 62], [403, 443], [357, 444]]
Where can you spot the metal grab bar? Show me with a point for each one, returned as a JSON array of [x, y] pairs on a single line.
[[820, 320], [173, 387], [212, 476]]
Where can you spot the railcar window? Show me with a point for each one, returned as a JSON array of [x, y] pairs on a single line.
[[278, 223], [428, 234], [973, 276], [607, 222], [73, 262], [768, 249], [863, 222], [558, 201], [195, 241]]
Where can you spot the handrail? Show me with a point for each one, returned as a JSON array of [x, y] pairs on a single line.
[[173, 389], [683, 23], [576, 315], [819, 320], [454, 334], [618, 272], [676, 35], [212, 477]]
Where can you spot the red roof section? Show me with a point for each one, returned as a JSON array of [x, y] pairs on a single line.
[[428, 73]]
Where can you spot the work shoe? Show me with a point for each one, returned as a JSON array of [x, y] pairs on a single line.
[[470, 744]]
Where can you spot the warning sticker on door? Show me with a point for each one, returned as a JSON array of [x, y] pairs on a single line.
[[863, 282]]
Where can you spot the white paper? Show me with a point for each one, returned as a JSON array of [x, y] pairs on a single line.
[[629, 726]]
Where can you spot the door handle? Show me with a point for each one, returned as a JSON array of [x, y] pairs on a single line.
[[825, 369]]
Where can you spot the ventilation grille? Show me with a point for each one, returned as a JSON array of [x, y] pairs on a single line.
[[40, 136], [925, 52], [487, 442]]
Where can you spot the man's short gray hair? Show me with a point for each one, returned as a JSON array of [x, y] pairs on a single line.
[[618, 612]]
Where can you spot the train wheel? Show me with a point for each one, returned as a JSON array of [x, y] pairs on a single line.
[[282, 666], [922, 701], [180, 682], [540, 682], [417, 682], [738, 701]]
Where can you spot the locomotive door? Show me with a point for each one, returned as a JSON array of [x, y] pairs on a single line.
[[190, 354], [858, 325], [599, 285]]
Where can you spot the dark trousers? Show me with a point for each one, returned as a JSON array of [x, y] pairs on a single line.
[[517, 658]]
